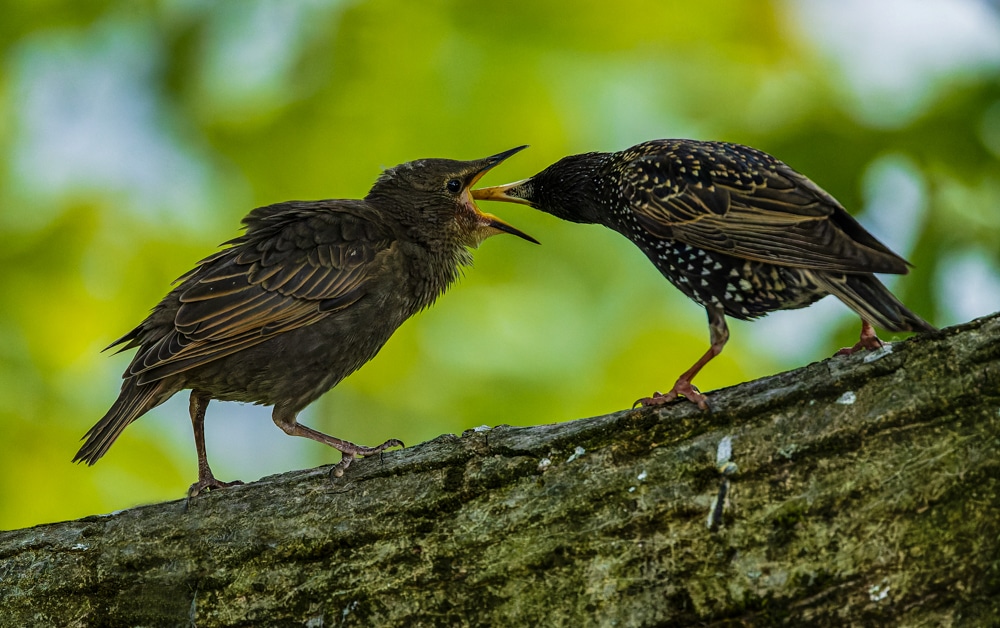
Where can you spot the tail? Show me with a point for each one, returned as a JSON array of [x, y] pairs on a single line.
[[133, 401], [869, 297]]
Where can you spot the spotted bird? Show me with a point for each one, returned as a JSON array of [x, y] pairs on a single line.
[[736, 230]]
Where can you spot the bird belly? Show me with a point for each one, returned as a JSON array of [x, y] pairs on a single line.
[[745, 289], [297, 367]]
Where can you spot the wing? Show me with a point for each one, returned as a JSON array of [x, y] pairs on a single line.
[[737, 200], [297, 263]]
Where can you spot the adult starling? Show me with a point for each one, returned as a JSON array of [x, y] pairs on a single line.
[[309, 293], [733, 228]]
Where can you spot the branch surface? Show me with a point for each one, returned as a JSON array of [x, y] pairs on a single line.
[[866, 490]]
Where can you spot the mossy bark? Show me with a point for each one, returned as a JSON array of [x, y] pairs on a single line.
[[867, 491]]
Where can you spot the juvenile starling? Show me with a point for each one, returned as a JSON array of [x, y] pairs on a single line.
[[309, 293], [733, 228]]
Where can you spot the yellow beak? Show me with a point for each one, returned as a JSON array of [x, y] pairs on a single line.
[[489, 224]]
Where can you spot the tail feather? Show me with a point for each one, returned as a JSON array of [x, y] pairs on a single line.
[[133, 401], [869, 297]]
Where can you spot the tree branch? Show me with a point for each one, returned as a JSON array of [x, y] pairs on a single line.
[[866, 492]]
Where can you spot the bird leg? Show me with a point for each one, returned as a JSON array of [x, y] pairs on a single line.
[[199, 403], [285, 419], [869, 340], [719, 334]]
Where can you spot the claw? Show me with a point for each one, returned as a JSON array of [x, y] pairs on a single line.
[[868, 340], [210, 483], [685, 388], [352, 452], [206, 482]]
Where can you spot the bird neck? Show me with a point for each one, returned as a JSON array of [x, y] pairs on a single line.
[[436, 253], [434, 268], [568, 188]]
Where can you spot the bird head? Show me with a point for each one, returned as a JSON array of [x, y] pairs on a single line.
[[565, 189], [433, 198]]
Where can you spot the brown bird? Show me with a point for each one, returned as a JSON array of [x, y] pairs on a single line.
[[733, 228], [309, 293]]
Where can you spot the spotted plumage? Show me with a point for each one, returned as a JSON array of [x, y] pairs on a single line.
[[733, 228]]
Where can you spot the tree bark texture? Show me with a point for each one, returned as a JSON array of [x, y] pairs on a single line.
[[859, 490]]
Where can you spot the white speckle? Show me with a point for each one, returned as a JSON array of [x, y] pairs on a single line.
[[642, 476], [788, 451], [724, 450], [347, 609], [717, 266], [317, 621], [579, 451], [482, 428], [745, 285], [879, 353], [631, 489], [80, 546], [544, 464], [704, 283], [876, 593], [847, 398], [734, 273]]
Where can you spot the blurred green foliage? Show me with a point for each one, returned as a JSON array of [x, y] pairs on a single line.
[[134, 136]]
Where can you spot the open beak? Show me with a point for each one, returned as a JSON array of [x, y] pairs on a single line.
[[489, 224], [491, 162]]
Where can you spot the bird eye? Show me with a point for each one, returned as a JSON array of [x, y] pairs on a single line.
[[454, 185]]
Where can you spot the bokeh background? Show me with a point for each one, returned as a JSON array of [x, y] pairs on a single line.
[[135, 135]]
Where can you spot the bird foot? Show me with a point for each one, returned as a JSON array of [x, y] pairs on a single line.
[[352, 452], [209, 482], [685, 388], [867, 341], [658, 399]]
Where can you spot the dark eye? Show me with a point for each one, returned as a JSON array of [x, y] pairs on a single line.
[[454, 186]]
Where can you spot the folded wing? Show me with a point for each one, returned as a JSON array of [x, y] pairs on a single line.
[[296, 263], [739, 201]]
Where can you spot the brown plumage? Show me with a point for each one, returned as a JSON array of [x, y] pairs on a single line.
[[309, 293], [733, 228]]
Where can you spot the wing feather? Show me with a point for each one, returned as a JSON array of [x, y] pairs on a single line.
[[297, 263], [739, 201]]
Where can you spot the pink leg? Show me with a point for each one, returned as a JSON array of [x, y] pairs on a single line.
[[869, 340], [285, 419], [719, 334]]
